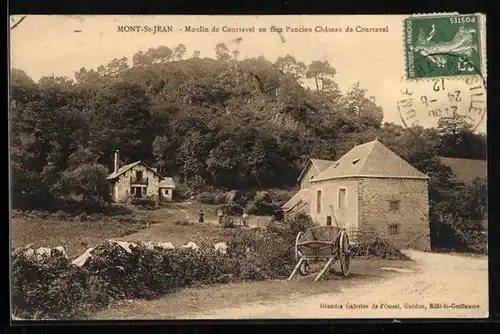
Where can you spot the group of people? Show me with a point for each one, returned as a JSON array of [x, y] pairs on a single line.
[[220, 215]]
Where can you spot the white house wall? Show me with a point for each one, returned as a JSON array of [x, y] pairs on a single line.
[[166, 194], [122, 186], [347, 218], [305, 183]]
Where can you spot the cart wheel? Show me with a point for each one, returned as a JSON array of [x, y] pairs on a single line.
[[345, 254], [298, 254], [304, 268]]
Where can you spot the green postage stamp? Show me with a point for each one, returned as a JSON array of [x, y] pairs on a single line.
[[443, 46]]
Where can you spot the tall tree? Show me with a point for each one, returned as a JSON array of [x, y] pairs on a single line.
[[322, 73], [289, 65], [179, 51], [116, 67], [222, 52], [362, 108], [457, 138]]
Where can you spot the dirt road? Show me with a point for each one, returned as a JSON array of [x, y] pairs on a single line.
[[438, 278]]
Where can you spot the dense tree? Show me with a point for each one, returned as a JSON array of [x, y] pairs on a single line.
[[84, 177], [122, 121], [289, 65], [457, 138], [220, 122]]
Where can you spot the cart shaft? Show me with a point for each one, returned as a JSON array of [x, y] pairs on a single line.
[[296, 268], [325, 268]]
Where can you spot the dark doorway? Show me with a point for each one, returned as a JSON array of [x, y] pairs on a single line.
[[138, 192], [328, 221]]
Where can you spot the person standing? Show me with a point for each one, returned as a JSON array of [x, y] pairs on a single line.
[[220, 214], [245, 218], [201, 220]]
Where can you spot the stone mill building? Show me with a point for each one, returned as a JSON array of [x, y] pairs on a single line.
[[371, 192]]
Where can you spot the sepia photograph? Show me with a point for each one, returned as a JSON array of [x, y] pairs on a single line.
[[248, 167]]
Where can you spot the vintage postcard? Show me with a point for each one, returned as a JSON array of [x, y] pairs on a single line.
[[248, 167]]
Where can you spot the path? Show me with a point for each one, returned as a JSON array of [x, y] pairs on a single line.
[[166, 231], [439, 278]]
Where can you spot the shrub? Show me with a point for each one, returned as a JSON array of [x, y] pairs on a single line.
[[377, 248], [231, 209], [210, 197], [300, 223], [227, 222], [61, 215], [247, 196], [292, 226], [83, 217], [261, 204], [146, 203], [281, 196], [182, 192], [261, 209], [458, 219], [72, 205], [262, 197], [116, 209], [232, 196], [54, 288], [92, 204], [260, 254]]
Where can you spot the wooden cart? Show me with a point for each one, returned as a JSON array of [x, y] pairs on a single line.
[[323, 243]]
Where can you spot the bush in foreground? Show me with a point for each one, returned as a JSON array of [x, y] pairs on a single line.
[[54, 288], [378, 248]]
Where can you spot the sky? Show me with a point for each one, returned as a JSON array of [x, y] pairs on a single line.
[[62, 44]]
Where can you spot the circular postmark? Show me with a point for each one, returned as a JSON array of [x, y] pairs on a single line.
[[458, 99]]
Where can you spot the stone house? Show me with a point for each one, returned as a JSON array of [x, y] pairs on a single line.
[[137, 180], [372, 192]]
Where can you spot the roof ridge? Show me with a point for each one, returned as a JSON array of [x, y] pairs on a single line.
[[395, 156], [373, 142]]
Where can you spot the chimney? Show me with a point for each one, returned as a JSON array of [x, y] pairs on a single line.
[[117, 157]]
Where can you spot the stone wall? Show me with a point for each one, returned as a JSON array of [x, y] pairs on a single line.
[[411, 214]]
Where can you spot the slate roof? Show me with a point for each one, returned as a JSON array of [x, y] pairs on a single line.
[[167, 182], [370, 159], [318, 165], [467, 170], [125, 168], [301, 197]]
